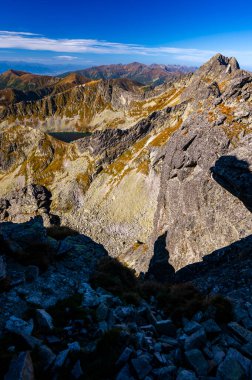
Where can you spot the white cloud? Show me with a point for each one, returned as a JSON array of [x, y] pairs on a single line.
[[66, 57], [35, 42]]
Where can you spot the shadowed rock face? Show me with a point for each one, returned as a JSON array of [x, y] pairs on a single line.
[[236, 177]]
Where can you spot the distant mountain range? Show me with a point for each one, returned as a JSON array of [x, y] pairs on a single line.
[[145, 74], [38, 68]]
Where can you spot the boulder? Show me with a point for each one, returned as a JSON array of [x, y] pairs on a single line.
[[235, 355], [197, 361], [46, 356], [124, 357], [141, 367], [196, 340], [231, 369], [77, 371], [191, 327], [240, 332], [44, 320], [19, 326], [125, 374]]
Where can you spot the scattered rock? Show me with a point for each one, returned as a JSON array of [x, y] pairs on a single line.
[[102, 312], [211, 327], [196, 340], [196, 359], [231, 369], [235, 355], [141, 367], [191, 326], [18, 326], [44, 320], [186, 375], [61, 358], [240, 331], [46, 356], [125, 356], [166, 327], [74, 347], [77, 372], [125, 374], [21, 368]]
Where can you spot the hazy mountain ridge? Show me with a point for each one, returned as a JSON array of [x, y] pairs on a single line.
[[146, 74]]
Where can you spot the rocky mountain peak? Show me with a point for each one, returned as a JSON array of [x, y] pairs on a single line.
[[215, 71], [221, 60]]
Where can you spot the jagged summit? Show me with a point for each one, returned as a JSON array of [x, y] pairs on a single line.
[[214, 73], [225, 60], [220, 60]]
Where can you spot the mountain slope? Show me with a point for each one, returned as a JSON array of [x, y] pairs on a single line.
[[76, 103], [164, 175], [20, 80]]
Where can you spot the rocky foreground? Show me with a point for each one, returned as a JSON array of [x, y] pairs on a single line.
[[69, 311]]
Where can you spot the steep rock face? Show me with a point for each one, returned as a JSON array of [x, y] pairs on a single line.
[[197, 211], [205, 192]]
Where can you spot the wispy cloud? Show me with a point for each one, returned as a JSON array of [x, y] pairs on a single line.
[[9, 33], [66, 57], [35, 42]]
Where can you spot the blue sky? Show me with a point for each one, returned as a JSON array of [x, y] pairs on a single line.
[[100, 32]]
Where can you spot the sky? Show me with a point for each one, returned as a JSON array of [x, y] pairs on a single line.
[[87, 33]]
